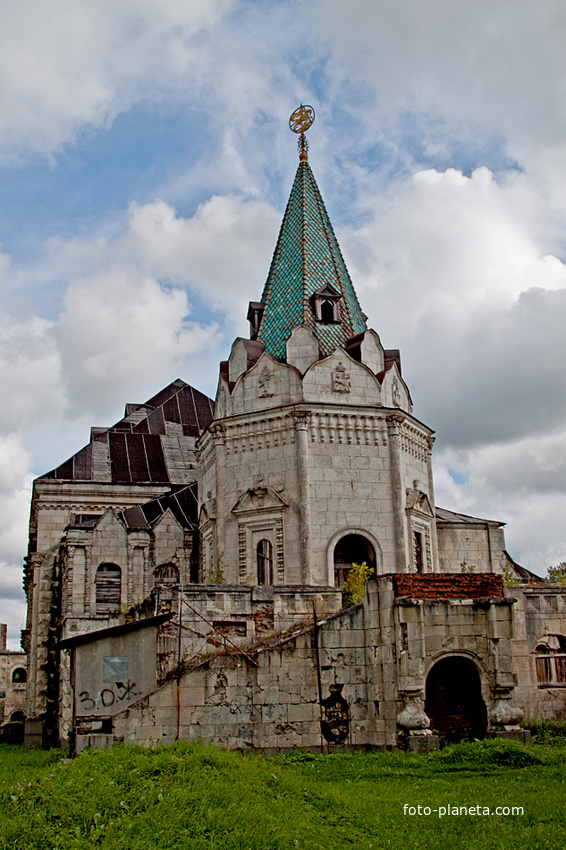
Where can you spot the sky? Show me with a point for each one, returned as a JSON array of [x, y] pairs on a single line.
[[145, 164]]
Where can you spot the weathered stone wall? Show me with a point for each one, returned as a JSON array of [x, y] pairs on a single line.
[[54, 502], [341, 462], [14, 698], [340, 481], [380, 653], [53, 505], [472, 547], [272, 705], [539, 612]]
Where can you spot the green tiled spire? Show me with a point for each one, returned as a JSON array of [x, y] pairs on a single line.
[[307, 257]]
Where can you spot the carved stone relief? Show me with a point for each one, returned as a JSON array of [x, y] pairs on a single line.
[[341, 379]]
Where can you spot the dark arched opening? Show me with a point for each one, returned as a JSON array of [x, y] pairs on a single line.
[[351, 549], [454, 702], [327, 312], [19, 676]]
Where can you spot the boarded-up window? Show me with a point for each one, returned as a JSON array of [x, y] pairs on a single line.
[[108, 584]]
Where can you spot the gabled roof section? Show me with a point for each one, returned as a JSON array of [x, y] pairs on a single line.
[[153, 443], [259, 499], [307, 259]]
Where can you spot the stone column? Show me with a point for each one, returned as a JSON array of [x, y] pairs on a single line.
[[302, 418], [220, 465], [398, 495], [434, 536]]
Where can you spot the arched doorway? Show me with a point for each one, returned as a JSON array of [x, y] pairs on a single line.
[[351, 549], [454, 702]]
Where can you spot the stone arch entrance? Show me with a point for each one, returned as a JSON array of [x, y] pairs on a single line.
[[454, 702], [351, 549]]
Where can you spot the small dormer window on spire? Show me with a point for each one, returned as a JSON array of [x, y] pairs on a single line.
[[255, 315], [326, 305]]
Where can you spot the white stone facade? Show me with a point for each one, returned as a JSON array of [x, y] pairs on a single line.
[[307, 463]]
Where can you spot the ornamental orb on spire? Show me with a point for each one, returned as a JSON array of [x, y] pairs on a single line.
[[299, 122], [302, 118]]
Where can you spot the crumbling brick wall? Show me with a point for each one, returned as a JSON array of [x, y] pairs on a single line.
[[445, 586]]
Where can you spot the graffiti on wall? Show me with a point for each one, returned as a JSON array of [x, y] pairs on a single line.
[[112, 694]]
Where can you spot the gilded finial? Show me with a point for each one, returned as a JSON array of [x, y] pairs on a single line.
[[300, 121]]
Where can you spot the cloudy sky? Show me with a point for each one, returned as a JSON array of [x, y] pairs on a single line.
[[145, 164]]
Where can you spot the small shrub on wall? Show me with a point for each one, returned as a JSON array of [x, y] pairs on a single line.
[[355, 584]]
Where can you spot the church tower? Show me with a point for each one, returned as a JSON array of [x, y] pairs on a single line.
[[184, 567], [314, 460]]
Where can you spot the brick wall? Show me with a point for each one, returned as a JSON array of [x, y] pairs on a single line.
[[445, 586]]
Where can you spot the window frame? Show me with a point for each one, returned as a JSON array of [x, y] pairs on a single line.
[[550, 661], [264, 562]]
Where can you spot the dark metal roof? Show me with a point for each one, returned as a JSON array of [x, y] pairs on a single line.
[[136, 449], [182, 503], [114, 631], [442, 515]]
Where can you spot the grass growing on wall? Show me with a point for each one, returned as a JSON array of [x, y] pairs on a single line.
[[199, 797]]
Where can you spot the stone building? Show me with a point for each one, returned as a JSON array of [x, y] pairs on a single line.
[[185, 569], [13, 678]]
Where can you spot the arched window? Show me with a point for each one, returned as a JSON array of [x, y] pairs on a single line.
[[326, 305], [264, 562], [108, 582], [19, 676], [327, 312], [351, 549], [165, 574], [550, 660], [17, 717]]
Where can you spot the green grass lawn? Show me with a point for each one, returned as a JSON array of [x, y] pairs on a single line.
[[199, 797]]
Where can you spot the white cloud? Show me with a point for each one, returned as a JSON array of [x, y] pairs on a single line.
[[30, 372], [127, 322], [66, 64], [120, 331], [521, 483], [500, 63], [15, 491], [462, 273], [454, 276], [222, 252]]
